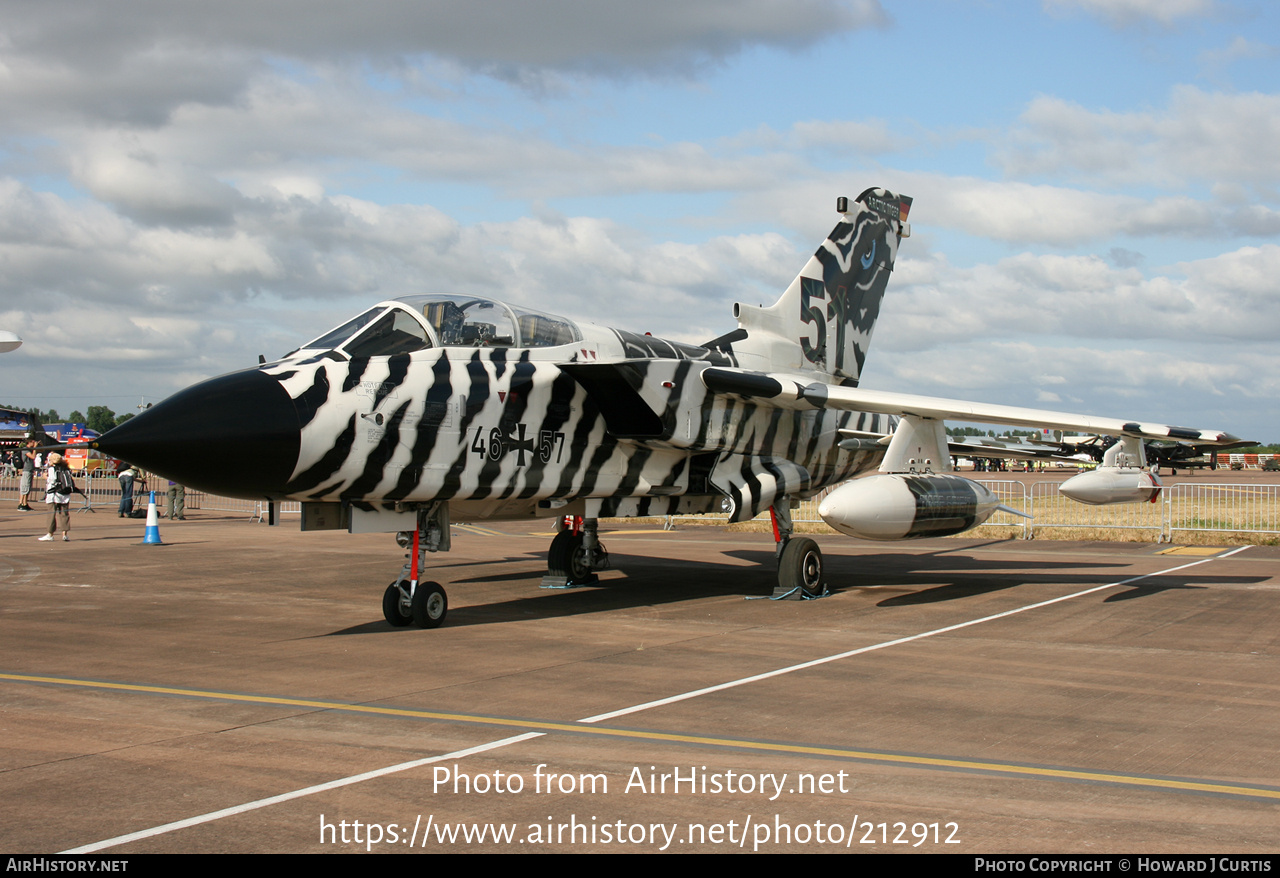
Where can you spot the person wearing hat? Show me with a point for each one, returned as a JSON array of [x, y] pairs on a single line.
[[28, 475], [127, 476], [58, 488]]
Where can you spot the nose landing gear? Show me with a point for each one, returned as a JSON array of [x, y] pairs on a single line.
[[408, 601]]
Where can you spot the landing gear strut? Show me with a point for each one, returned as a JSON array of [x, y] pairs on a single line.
[[575, 554], [408, 600], [799, 559]]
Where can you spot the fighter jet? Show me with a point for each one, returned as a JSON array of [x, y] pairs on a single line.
[[429, 409]]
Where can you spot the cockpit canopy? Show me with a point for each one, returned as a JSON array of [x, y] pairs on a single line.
[[417, 322]]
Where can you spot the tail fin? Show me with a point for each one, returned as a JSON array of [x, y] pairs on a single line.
[[823, 321]]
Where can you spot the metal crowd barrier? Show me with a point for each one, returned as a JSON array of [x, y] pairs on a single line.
[[1223, 508], [1185, 507], [102, 494], [1014, 495], [1054, 510]]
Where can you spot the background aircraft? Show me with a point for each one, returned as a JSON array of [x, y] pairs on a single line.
[[1174, 455], [434, 408], [1083, 450]]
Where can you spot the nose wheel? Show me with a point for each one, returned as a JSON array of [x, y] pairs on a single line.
[[395, 609], [408, 600], [429, 605], [426, 608]]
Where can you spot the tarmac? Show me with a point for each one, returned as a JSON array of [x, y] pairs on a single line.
[[237, 690]]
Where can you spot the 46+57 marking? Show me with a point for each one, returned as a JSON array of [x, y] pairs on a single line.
[[498, 444]]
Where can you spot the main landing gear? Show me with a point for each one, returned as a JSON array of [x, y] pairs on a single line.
[[799, 559], [575, 554], [409, 601], [572, 560]]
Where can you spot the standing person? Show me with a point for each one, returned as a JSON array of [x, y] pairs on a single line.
[[58, 489], [127, 475], [28, 475], [177, 502]]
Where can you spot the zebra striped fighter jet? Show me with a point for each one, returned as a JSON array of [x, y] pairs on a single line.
[[437, 408]]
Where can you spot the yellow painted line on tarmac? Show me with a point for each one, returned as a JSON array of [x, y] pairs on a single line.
[[578, 728], [476, 529], [611, 534], [626, 533], [1192, 550]]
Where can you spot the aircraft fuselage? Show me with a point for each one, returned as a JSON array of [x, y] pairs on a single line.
[[614, 417], [503, 429]]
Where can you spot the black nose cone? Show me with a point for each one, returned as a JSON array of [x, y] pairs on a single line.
[[236, 435]]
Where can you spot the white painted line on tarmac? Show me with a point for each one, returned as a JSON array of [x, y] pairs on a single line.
[[296, 794], [494, 745], [901, 640]]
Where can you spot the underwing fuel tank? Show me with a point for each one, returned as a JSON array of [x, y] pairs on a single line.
[[1106, 485], [903, 507]]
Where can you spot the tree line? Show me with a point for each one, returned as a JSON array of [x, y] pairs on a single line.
[[99, 418]]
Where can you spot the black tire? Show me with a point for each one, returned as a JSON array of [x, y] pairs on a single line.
[[801, 566], [568, 558], [430, 605], [391, 607]]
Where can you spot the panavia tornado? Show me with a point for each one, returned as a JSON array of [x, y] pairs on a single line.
[[436, 408]]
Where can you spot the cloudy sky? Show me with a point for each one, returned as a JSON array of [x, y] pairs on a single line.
[[185, 185]]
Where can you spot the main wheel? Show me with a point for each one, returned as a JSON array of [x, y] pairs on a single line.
[[568, 558], [391, 609], [429, 605], [801, 566]]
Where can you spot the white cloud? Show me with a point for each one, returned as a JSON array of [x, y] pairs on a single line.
[[207, 163], [1025, 213], [1128, 12], [145, 187], [869, 137], [1239, 49], [1184, 386], [1222, 300], [513, 39], [1199, 135], [350, 250]]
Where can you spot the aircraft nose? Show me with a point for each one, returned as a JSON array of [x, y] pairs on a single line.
[[236, 435]]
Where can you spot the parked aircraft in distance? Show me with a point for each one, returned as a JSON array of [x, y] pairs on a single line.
[[1174, 455], [437, 408]]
